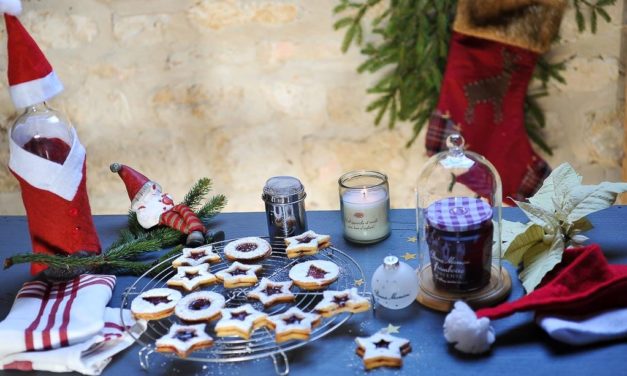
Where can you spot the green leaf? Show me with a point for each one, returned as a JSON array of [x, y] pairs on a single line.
[[343, 23], [593, 21], [539, 260], [581, 23], [530, 237], [603, 14], [586, 199]]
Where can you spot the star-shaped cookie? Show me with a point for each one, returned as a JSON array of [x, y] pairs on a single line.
[[269, 292], [191, 277], [240, 321], [307, 243], [196, 256], [335, 302], [382, 349], [293, 324], [239, 275], [184, 339]]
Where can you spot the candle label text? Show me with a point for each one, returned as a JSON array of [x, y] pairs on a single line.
[[360, 223]]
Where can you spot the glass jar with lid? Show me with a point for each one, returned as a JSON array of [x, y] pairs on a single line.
[[458, 223]]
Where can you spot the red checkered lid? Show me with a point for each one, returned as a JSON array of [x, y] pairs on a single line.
[[458, 214]]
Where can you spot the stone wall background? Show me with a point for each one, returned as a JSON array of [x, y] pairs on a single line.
[[242, 90]]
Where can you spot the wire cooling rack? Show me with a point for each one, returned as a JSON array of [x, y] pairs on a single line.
[[261, 343]]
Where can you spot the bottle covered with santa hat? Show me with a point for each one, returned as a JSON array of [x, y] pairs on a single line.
[[46, 156]]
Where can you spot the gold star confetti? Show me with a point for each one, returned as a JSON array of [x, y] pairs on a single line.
[[409, 256], [391, 329], [411, 239], [359, 282]]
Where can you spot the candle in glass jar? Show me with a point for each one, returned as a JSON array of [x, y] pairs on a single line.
[[365, 211]]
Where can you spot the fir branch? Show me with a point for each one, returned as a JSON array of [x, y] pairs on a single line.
[[194, 197], [212, 208], [594, 10]]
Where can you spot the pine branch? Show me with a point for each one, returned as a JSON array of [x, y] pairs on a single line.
[[195, 196], [212, 208]]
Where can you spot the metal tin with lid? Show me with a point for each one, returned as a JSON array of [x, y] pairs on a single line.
[[284, 198]]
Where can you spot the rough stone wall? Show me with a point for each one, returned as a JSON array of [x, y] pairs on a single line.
[[242, 90]]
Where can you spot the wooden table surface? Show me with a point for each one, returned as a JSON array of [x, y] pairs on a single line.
[[521, 348]]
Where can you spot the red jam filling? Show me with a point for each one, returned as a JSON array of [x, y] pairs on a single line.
[[382, 344], [155, 300], [199, 304], [340, 300], [197, 255], [190, 275], [238, 271], [272, 290], [241, 316], [294, 319], [246, 247], [305, 239], [316, 272], [185, 335]]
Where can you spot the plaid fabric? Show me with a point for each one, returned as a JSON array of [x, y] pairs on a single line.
[[537, 171], [457, 214], [183, 219], [440, 127]]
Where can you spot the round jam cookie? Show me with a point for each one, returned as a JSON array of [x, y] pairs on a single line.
[[293, 324], [269, 292], [196, 256], [314, 274], [155, 304], [183, 339], [191, 277], [200, 306], [247, 249]]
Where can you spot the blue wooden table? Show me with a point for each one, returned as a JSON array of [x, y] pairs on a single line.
[[521, 347]]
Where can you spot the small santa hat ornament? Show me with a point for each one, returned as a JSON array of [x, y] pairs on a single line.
[[136, 183], [582, 284], [31, 77]]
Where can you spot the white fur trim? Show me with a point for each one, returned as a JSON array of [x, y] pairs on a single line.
[[62, 180], [35, 91], [11, 7], [469, 334]]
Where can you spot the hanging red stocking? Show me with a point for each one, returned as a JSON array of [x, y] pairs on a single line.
[[493, 52]]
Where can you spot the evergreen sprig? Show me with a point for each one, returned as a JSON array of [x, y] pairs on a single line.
[[410, 47], [124, 255]]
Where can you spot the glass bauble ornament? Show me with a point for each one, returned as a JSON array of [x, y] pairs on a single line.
[[394, 284]]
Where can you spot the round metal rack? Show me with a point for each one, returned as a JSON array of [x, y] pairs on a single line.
[[262, 342]]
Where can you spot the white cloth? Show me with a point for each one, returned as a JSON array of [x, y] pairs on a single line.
[[605, 326], [65, 327]]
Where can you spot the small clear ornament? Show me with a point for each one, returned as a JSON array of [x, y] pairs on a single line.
[[394, 284], [458, 224]]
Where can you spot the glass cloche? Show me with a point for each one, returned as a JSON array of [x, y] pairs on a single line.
[[458, 222]]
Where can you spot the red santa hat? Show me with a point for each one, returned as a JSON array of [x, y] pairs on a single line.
[[136, 183], [31, 78], [582, 284]]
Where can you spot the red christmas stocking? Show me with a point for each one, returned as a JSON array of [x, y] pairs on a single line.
[[493, 52]]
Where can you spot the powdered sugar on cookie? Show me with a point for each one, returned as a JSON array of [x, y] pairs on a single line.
[[239, 275], [335, 302], [269, 292], [191, 277], [247, 249], [183, 339], [196, 256], [314, 274], [240, 321], [200, 306], [293, 324], [155, 304]]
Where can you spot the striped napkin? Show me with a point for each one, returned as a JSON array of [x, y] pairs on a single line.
[[65, 326]]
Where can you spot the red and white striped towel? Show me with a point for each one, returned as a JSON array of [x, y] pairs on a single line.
[[64, 327]]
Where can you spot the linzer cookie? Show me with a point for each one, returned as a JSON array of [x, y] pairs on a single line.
[[382, 350], [307, 243], [293, 324], [335, 302], [196, 256], [191, 277], [247, 249], [269, 292], [155, 304], [239, 275], [240, 321], [200, 306], [314, 274], [184, 339]]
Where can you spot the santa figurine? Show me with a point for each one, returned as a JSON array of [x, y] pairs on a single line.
[[153, 207], [46, 156]]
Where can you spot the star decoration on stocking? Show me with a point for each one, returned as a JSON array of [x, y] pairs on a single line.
[[409, 256], [293, 324], [240, 321], [382, 349]]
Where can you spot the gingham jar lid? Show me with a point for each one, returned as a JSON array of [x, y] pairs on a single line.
[[458, 214]]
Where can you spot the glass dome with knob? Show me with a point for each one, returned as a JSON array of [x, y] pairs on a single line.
[[458, 223]]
